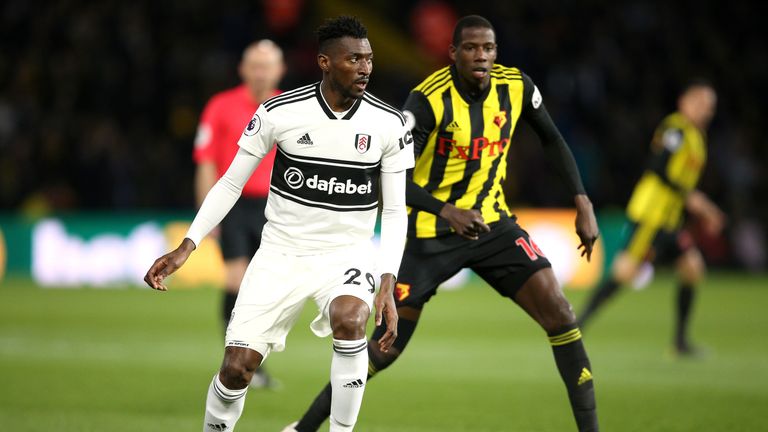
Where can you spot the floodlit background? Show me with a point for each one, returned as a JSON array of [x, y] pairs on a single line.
[[99, 103]]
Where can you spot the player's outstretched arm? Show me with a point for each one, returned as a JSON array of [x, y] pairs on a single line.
[[561, 157], [384, 304], [167, 264], [586, 224], [216, 205]]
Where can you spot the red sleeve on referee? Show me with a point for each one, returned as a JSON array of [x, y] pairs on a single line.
[[207, 136]]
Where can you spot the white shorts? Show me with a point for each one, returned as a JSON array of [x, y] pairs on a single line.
[[276, 285]]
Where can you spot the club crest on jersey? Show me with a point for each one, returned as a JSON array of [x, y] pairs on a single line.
[[362, 143], [253, 126], [500, 119]]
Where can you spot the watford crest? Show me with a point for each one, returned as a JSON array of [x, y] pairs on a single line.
[[402, 291], [500, 119]]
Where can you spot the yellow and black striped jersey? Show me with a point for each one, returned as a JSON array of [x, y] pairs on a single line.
[[461, 143], [679, 153]]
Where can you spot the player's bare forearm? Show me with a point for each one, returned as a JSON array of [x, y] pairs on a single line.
[[467, 223], [167, 264], [699, 204], [385, 306], [703, 208], [586, 224]]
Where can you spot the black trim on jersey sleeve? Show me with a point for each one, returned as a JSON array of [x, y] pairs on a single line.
[[658, 162], [290, 96], [378, 103], [415, 195], [555, 147]]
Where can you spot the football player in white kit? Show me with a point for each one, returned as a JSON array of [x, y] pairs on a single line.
[[338, 149]]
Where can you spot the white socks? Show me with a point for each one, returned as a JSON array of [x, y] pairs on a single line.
[[349, 371], [222, 407]]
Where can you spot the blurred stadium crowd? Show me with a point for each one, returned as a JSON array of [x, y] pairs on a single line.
[[99, 101]]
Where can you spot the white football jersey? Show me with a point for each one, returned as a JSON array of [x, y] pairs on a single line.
[[324, 187]]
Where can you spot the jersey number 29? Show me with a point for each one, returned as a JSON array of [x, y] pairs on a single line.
[[354, 273]]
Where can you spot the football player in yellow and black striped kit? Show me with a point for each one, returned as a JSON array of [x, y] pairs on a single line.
[[666, 190], [465, 115]]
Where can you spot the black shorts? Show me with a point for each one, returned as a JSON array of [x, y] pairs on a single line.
[[505, 258], [241, 228], [645, 242]]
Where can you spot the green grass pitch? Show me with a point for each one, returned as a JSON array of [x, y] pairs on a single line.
[[132, 359]]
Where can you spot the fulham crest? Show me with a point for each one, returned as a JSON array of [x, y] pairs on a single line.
[[362, 143]]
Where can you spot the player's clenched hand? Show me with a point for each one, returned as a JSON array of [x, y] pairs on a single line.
[[586, 225], [467, 223], [167, 264], [384, 303]]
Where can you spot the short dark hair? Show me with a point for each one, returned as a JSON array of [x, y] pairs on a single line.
[[694, 82], [469, 21], [339, 27]]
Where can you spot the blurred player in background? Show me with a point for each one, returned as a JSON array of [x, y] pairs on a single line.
[[339, 149], [221, 125], [465, 115], [656, 209]]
